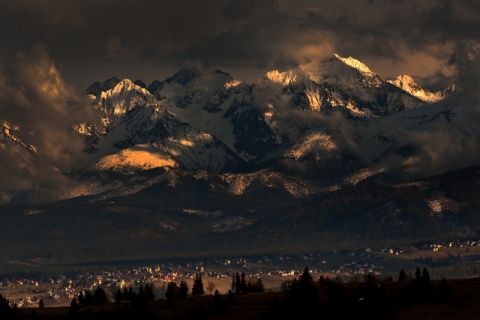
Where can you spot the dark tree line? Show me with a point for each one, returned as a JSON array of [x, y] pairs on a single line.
[[175, 291], [430, 261], [241, 286], [331, 299], [128, 295], [133, 305], [6, 312], [99, 296]]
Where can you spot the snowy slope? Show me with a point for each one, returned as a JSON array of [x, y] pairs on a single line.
[[137, 158], [407, 84], [335, 83], [424, 141], [333, 113], [207, 120], [313, 129], [220, 105], [132, 118]]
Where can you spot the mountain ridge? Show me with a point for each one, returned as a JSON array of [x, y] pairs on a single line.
[[322, 155]]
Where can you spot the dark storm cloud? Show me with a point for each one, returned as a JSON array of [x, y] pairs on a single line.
[[35, 99], [92, 40]]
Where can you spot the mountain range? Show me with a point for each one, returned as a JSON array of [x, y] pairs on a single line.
[[326, 152]]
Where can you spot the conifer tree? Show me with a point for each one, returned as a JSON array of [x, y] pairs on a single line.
[[402, 276], [201, 291], [183, 293], [238, 282], [149, 292], [217, 302], [233, 283], [306, 279], [418, 274], [5, 311], [88, 298], [197, 289], [259, 287], [425, 276], [243, 284], [426, 282], [81, 298], [118, 296], [141, 293], [172, 291], [369, 281], [131, 294], [100, 296], [304, 292], [73, 311]]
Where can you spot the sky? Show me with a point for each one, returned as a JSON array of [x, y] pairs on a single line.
[[52, 50], [92, 40]]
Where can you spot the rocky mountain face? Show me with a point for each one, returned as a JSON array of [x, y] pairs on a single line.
[[325, 146], [331, 122], [343, 84], [135, 124], [211, 121], [10, 136]]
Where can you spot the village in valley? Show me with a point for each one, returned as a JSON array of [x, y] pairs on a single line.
[[217, 273]]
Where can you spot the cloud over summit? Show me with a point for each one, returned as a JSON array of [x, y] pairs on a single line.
[[94, 40]]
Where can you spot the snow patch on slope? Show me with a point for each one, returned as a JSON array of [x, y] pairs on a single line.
[[239, 184], [318, 142], [138, 158]]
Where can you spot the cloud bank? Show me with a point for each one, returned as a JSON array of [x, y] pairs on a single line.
[[93, 40], [40, 109]]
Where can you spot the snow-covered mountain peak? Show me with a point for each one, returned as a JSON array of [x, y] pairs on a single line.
[[191, 84], [184, 76], [338, 71], [354, 63], [282, 78], [332, 69], [125, 96], [227, 80], [345, 84], [140, 83], [126, 85], [406, 83], [97, 88]]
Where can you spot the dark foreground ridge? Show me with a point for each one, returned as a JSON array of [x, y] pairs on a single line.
[[406, 297]]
